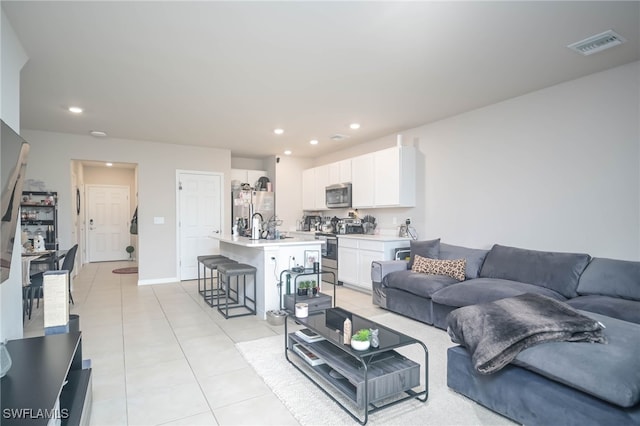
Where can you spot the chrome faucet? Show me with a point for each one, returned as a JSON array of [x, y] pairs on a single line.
[[256, 228]]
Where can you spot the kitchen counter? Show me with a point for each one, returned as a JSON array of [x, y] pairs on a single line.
[[283, 242], [270, 258]]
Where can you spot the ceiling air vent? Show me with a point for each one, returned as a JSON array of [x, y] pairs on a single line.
[[338, 137], [597, 43]]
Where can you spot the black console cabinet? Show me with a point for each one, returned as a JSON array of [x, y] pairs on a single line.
[[36, 382]]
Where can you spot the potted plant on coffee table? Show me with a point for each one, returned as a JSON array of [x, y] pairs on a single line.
[[314, 288], [360, 340]]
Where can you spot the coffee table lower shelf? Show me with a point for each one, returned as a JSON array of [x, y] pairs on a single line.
[[368, 383]]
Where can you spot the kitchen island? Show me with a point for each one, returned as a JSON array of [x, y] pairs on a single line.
[[269, 257]]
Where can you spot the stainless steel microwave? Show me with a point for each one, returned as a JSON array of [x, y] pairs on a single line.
[[338, 196]]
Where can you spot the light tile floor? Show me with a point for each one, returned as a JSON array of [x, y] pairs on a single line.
[[161, 356]]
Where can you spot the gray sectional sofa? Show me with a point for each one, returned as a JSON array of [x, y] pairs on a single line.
[[553, 383]]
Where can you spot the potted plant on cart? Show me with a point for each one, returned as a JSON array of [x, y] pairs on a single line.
[[303, 288], [314, 287]]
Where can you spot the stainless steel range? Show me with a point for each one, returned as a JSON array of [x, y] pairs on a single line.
[[329, 257]]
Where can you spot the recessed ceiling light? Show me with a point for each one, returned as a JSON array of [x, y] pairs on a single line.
[[287, 152], [354, 126], [75, 110], [98, 134], [278, 131], [108, 164], [313, 141]]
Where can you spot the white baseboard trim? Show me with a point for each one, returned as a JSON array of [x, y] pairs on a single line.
[[158, 281]]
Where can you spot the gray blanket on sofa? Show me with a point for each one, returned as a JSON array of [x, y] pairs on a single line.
[[495, 332]]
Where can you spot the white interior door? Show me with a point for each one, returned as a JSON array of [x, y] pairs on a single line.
[[108, 217], [200, 201]]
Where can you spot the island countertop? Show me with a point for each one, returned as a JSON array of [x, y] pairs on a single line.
[[248, 242]]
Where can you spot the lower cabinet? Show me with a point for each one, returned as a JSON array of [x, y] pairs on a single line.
[[355, 255]]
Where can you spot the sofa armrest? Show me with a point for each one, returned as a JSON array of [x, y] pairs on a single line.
[[381, 268]]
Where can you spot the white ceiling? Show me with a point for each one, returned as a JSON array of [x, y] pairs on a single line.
[[225, 74]]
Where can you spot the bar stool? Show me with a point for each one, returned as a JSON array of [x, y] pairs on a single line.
[[201, 259], [226, 273], [212, 293]]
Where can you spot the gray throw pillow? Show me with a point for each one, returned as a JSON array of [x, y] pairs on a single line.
[[430, 249]]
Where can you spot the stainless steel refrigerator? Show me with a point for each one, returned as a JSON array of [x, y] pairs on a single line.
[[244, 203]]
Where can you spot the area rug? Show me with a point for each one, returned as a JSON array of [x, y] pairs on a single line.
[[129, 270], [310, 406]]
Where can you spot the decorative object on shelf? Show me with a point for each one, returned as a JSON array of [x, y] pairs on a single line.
[[302, 310], [311, 257], [346, 331], [375, 340], [130, 250], [360, 340], [5, 360]]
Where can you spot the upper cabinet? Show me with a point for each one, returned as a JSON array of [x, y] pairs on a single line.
[[340, 172], [385, 178], [314, 182], [247, 176]]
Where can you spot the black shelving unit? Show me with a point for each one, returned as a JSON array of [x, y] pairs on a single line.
[[39, 213], [316, 303]]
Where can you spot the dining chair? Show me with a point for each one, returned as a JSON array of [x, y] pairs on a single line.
[[35, 288]]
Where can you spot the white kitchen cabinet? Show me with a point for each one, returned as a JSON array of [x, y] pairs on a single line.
[[348, 269], [355, 255], [385, 178], [314, 182], [362, 179], [247, 176], [340, 172], [322, 181]]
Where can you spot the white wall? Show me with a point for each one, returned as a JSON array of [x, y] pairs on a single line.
[[556, 169], [288, 189], [12, 59], [51, 155]]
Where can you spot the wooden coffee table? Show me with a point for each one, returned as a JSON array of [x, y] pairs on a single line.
[[369, 380]]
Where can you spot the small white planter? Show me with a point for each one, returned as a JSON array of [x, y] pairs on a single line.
[[360, 345]]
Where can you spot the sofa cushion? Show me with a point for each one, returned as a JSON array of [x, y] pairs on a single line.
[[474, 257], [419, 284], [622, 309], [451, 268], [610, 372], [482, 290], [555, 271], [610, 277], [430, 249]]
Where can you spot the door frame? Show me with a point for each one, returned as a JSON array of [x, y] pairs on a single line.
[[179, 172], [86, 211]]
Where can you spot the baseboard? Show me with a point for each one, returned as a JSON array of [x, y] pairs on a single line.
[[158, 281]]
